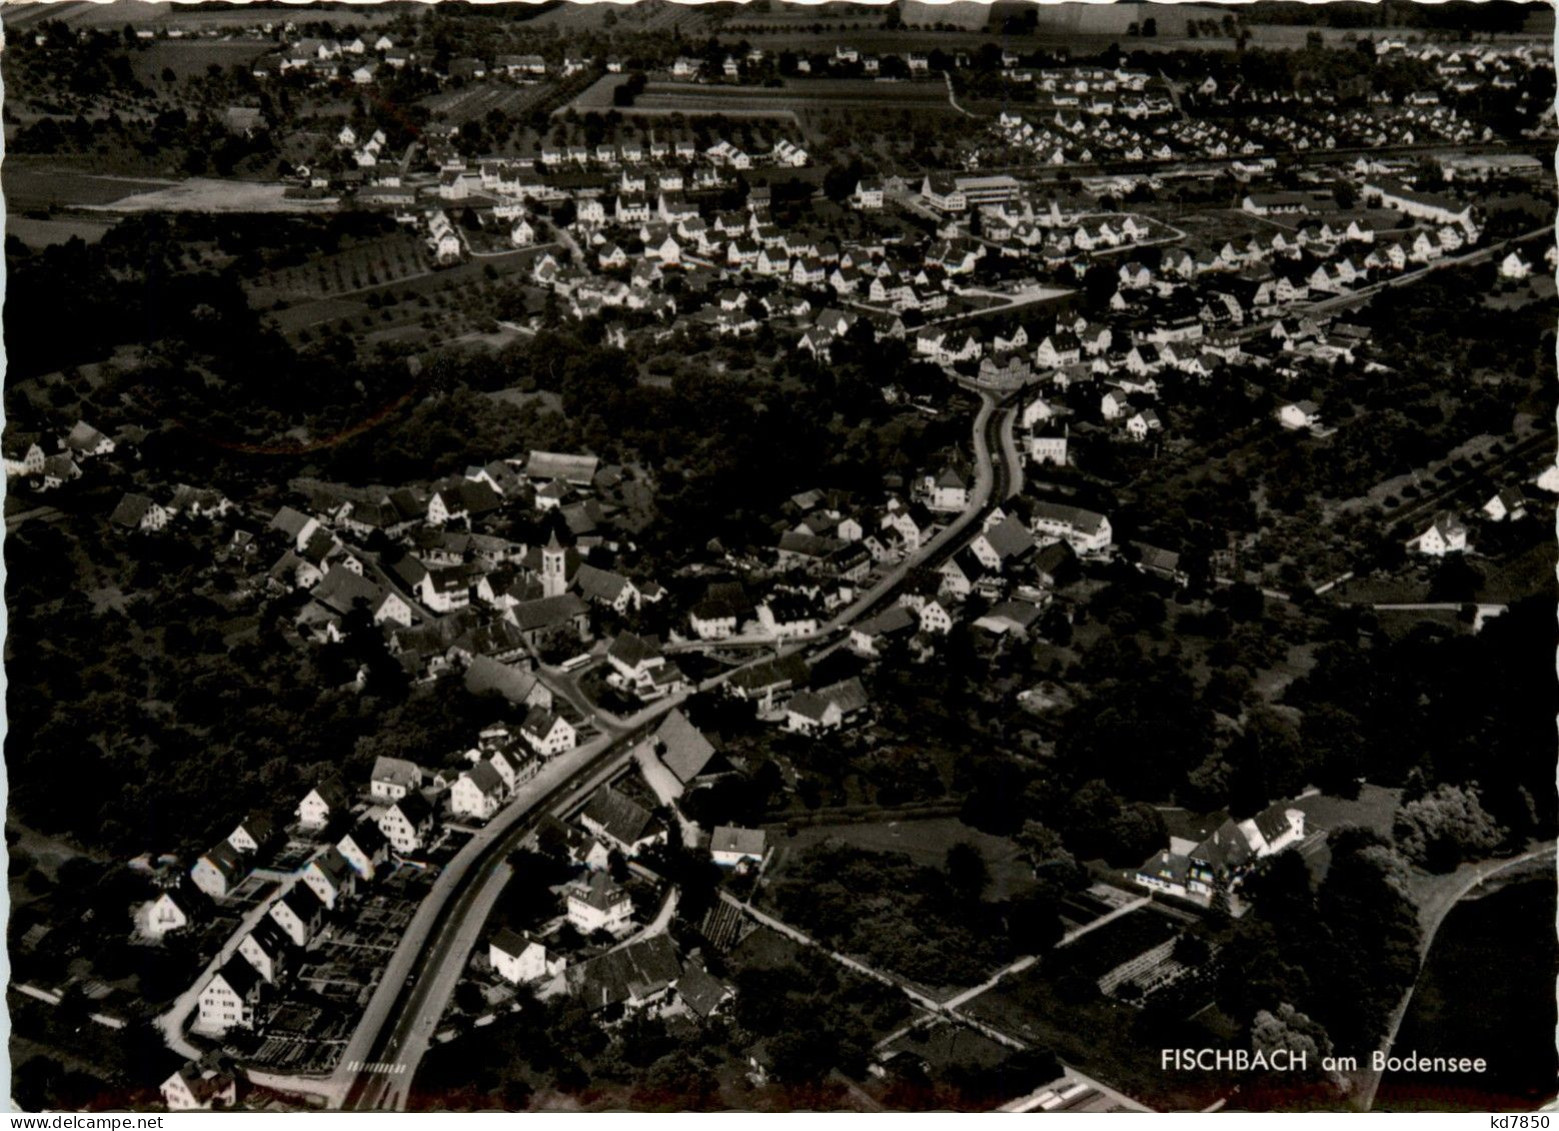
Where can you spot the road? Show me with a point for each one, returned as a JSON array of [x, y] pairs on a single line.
[[421, 976], [420, 979], [1433, 907]]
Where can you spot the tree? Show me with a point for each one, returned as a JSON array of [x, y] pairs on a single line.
[[967, 872], [1293, 1032], [1445, 827]]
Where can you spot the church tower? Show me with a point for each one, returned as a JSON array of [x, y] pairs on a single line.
[[554, 567]]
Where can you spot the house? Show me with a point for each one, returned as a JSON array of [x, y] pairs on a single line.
[[1446, 535], [869, 637], [194, 1088], [701, 992], [322, 804], [730, 845], [1001, 544], [300, 914], [1157, 562], [868, 194], [1085, 531], [231, 999], [394, 778], [164, 915], [1224, 857], [637, 976], [365, 848], [596, 903], [721, 611], [330, 877], [549, 619], [24, 455], [1300, 414], [683, 749], [1016, 618], [478, 792], [947, 492], [621, 822], [219, 870], [137, 512], [407, 823], [762, 682], [787, 616], [84, 441], [1047, 448], [605, 587], [255, 833], [548, 733], [1509, 503], [268, 949], [521, 960], [1143, 424], [814, 713], [638, 666], [1514, 266]]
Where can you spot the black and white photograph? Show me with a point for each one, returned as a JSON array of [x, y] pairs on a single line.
[[744, 557]]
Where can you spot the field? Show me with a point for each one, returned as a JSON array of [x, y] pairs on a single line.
[[1458, 1009], [476, 102], [207, 194], [925, 842], [191, 17], [43, 233], [380, 261], [185, 57], [33, 185]]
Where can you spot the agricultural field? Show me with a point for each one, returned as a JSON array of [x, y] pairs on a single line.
[[186, 57], [45, 233], [30, 185], [476, 102], [381, 261]]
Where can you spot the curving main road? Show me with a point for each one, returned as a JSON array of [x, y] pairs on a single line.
[[399, 1022]]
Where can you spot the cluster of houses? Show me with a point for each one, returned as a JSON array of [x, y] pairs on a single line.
[[32, 459], [647, 973], [1220, 862]]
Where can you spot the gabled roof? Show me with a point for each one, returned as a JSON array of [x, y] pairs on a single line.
[[1009, 538], [513, 943], [619, 816], [685, 750], [242, 978], [636, 970], [131, 509], [633, 650]]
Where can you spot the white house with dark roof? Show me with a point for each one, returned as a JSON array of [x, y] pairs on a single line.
[[330, 877], [407, 823], [322, 804], [300, 914], [621, 822], [548, 733], [1445, 535], [477, 793], [219, 870], [231, 999], [197, 1088], [596, 903], [394, 778], [522, 960]]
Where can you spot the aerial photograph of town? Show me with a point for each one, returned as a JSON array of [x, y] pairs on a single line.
[[760, 557]]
